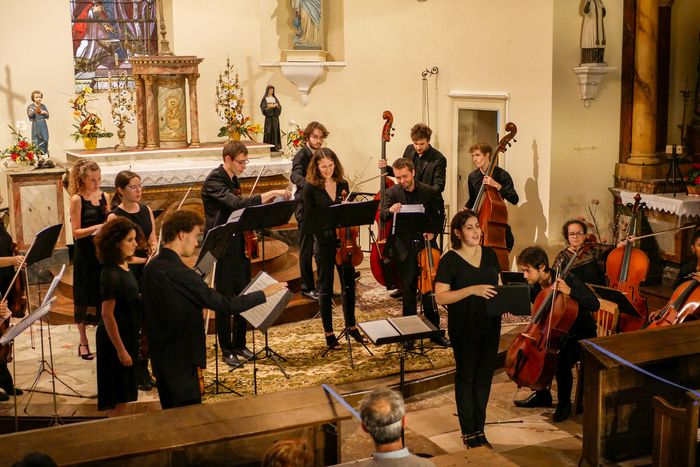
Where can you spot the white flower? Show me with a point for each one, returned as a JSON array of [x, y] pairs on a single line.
[[239, 118], [292, 122], [20, 125]]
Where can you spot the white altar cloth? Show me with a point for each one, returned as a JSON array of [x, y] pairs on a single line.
[[682, 205]]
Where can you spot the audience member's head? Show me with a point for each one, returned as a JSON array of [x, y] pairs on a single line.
[[382, 412], [35, 459], [287, 453]]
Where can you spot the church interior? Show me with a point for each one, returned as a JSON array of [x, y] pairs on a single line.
[[592, 108]]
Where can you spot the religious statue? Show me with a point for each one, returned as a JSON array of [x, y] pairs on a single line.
[[271, 108], [38, 114], [307, 21], [173, 114], [592, 31]]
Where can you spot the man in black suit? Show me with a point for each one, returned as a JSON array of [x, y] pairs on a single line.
[[173, 297], [221, 196], [430, 164], [315, 134], [403, 249]]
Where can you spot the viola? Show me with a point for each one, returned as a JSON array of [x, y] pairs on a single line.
[[249, 238], [626, 268], [532, 356], [348, 251], [492, 211], [380, 265], [683, 305]]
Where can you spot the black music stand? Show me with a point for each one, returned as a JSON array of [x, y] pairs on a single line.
[[213, 246], [397, 331], [615, 296], [343, 215], [261, 217], [262, 317]]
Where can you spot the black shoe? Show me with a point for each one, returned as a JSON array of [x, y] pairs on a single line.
[[4, 397], [332, 342], [536, 399], [245, 352], [441, 340], [562, 412], [358, 274], [396, 294], [471, 440], [10, 390], [482, 441], [232, 360], [144, 386], [355, 334], [310, 294], [410, 345]]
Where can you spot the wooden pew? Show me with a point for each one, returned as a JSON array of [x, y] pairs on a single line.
[[618, 416], [234, 432], [675, 432]]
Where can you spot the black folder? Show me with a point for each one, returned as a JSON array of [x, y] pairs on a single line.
[[513, 299]]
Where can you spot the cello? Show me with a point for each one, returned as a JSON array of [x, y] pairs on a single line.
[[683, 305], [492, 211], [379, 263], [625, 268], [532, 357]]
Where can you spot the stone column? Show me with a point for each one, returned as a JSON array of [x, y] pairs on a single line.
[[194, 113], [644, 97], [151, 113], [140, 112]]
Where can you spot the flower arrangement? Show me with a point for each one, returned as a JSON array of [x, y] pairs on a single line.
[[295, 136], [694, 175], [122, 102], [89, 125], [22, 151], [229, 106]]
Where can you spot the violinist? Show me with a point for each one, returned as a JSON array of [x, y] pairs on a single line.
[[221, 196], [534, 264], [315, 134], [692, 264], [325, 184], [501, 181], [403, 249]]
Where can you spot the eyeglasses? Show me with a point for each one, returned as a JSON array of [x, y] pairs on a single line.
[[135, 187], [576, 234], [242, 162]]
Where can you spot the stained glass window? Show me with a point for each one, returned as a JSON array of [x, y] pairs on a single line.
[[106, 33]]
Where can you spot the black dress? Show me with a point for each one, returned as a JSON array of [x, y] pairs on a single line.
[[474, 335], [6, 275], [86, 267], [142, 218], [115, 382]]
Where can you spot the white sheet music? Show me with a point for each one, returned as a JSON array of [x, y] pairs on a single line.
[[235, 215], [412, 208], [54, 284], [264, 315]]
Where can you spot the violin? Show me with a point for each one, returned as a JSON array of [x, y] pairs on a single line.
[[428, 259], [16, 298], [380, 265], [532, 356], [250, 238], [348, 252], [626, 268], [492, 211], [683, 305]]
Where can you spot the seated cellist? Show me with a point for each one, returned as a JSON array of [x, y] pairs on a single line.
[[534, 264]]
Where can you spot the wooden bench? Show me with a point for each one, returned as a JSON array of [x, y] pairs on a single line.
[[234, 432], [675, 432]]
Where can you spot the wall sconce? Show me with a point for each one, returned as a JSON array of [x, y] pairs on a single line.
[[589, 78]]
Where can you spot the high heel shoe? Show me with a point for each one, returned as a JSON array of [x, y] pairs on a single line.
[[355, 334], [85, 356], [332, 342]]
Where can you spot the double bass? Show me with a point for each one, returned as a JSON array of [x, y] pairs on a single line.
[[379, 263], [492, 211], [532, 357], [626, 268]]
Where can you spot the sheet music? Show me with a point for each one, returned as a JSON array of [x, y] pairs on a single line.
[[235, 215], [378, 329], [264, 315], [412, 208], [54, 284], [27, 321], [409, 325]]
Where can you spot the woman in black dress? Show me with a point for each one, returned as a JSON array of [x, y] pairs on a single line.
[[271, 108], [325, 184], [117, 333], [465, 279], [88, 212]]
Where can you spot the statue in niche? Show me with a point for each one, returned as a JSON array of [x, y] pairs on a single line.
[[592, 31], [307, 22], [173, 114], [271, 108], [38, 114]]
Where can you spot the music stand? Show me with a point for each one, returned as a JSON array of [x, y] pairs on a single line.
[[215, 242], [343, 215], [397, 331], [615, 296], [260, 217], [263, 316]]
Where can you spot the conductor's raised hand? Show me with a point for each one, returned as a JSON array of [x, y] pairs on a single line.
[[270, 290], [484, 291]]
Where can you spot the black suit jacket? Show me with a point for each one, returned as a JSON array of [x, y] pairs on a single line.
[[300, 165], [173, 298], [431, 167]]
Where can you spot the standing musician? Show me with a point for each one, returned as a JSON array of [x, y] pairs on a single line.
[[430, 165], [692, 265], [534, 264], [403, 249], [221, 196], [325, 184], [501, 181], [315, 133], [174, 296]]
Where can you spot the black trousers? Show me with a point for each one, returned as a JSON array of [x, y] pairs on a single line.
[[407, 270], [5, 377], [475, 357], [569, 354], [180, 390], [306, 254], [326, 264], [232, 275]]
